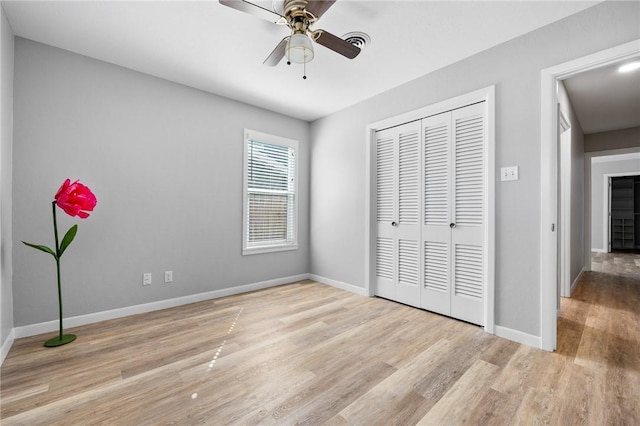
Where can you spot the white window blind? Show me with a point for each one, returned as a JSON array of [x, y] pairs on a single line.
[[270, 193]]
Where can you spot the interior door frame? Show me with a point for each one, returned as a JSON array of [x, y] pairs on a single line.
[[588, 156], [607, 196], [487, 95], [564, 127], [549, 178]]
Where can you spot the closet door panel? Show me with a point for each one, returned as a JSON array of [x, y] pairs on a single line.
[[436, 234], [398, 186], [386, 212], [468, 217], [408, 224]]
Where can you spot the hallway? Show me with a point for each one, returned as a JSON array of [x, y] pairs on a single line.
[[599, 329]]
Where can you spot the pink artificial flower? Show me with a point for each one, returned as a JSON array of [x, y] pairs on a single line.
[[75, 199]]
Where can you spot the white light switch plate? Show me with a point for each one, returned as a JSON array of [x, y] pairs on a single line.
[[509, 173]]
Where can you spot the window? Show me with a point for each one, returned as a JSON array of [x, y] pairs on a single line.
[[270, 202]]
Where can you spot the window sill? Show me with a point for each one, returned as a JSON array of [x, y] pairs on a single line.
[[268, 249]]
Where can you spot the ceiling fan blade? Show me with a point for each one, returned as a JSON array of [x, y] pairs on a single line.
[[319, 7], [276, 56], [336, 44], [252, 9]]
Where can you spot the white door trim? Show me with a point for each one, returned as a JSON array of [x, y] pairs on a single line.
[[565, 209], [606, 214], [548, 177], [487, 95]]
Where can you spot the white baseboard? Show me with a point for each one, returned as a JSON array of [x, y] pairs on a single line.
[[598, 250], [518, 336], [6, 345], [575, 282], [339, 284], [46, 327]]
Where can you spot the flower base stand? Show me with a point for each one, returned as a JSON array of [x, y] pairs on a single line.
[[59, 341]]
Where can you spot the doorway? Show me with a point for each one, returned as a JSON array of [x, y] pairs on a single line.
[[550, 217]]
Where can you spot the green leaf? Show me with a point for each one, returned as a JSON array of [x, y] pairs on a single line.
[[41, 248], [68, 237]]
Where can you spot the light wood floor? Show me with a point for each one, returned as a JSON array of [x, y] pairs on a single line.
[[310, 353]]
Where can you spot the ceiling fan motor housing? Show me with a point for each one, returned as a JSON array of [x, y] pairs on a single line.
[[295, 8]]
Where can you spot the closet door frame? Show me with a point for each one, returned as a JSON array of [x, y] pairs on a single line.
[[486, 95], [606, 222]]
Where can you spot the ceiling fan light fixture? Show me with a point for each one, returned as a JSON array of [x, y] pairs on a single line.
[[299, 49]]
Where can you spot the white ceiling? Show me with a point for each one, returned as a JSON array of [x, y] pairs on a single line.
[[605, 99], [211, 47]]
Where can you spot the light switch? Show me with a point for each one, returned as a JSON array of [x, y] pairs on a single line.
[[509, 173]]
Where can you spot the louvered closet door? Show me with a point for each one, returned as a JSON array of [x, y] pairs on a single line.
[[467, 237], [436, 234], [453, 227], [398, 188], [386, 213]]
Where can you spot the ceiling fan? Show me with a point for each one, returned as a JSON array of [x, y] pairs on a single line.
[[299, 16]]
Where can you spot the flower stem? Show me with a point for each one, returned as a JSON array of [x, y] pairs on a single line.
[[55, 231]]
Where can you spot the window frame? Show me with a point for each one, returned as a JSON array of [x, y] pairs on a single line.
[[247, 248]]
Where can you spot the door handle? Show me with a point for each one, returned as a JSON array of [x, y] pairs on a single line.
[[452, 225]]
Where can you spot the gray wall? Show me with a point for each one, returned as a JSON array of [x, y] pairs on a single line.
[[617, 139], [338, 153], [6, 131], [165, 162], [598, 200], [576, 186]]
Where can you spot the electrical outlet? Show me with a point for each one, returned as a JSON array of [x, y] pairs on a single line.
[[509, 173], [168, 276], [146, 278]]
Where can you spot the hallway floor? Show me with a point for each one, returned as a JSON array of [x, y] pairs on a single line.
[[599, 331], [617, 264]]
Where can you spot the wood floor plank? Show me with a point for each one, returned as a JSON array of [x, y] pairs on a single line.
[[495, 408], [575, 394], [367, 408], [450, 369], [534, 408], [456, 405], [499, 352], [521, 372], [25, 392], [594, 343], [330, 394]]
